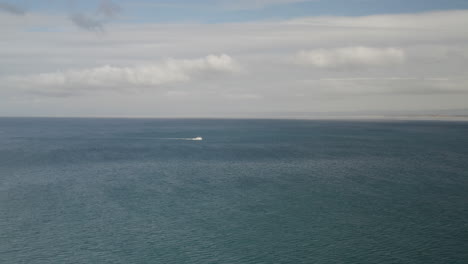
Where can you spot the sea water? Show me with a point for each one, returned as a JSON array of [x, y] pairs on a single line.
[[252, 191]]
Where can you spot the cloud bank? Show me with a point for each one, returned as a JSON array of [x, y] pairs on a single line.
[[168, 72], [382, 62]]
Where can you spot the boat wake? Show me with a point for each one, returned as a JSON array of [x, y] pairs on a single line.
[[195, 138]]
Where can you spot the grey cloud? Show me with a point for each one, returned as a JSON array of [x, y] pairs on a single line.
[[85, 22], [12, 9], [104, 12], [108, 8], [389, 85]]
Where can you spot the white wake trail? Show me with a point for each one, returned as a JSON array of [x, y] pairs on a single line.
[[195, 138]]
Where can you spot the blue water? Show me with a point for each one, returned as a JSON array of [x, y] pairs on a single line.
[[253, 191]]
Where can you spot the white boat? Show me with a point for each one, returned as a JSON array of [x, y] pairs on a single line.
[[197, 138]]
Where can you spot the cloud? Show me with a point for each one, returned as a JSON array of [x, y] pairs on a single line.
[[85, 22], [107, 77], [12, 9], [446, 20], [108, 8], [391, 85], [351, 56], [411, 61], [95, 22], [257, 4]]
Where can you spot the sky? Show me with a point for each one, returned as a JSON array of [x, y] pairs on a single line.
[[224, 58]]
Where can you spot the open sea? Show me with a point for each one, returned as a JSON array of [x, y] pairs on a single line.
[[252, 191]]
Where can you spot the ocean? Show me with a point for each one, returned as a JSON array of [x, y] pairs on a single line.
[[252, 191]]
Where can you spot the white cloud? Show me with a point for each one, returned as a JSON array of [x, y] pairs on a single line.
[[351, 56], [168, 72]]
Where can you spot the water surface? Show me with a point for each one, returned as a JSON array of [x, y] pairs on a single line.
[[253, 191]]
